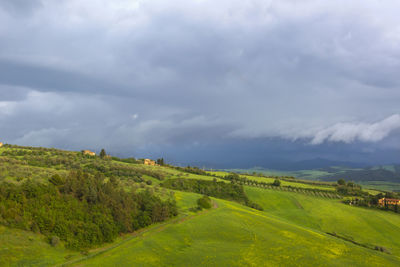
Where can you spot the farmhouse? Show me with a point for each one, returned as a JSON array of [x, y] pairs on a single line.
[[388, 201], [149, 162], [1, 144], [88, 152]]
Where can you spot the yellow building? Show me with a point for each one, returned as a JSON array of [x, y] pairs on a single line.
[[1, 144], [388, 201], [88, 152], [149, 162]]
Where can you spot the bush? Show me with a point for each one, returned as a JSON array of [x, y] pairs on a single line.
[[254, 205], [277, 182], [54, 241], [204, 202]]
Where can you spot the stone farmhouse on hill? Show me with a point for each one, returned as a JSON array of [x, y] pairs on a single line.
[[149, 162], [88, 152], [388, 201]]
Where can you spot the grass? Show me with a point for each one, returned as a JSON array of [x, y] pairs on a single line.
[[23, 248], [234, 235], [367, 226]]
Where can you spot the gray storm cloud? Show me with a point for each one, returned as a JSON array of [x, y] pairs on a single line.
[[125, 73]]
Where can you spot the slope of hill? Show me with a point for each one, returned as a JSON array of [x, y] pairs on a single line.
[[233, 235], [303, 223]]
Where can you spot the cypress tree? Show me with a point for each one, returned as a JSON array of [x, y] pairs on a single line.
[[102, 153]]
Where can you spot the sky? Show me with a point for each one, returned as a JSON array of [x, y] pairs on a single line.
[[221, 83]]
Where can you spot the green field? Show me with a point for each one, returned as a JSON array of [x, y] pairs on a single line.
[[24, 248], [291, 231], [366, 226], [233, 235]]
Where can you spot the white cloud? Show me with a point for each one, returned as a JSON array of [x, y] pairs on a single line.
[[350, 132]]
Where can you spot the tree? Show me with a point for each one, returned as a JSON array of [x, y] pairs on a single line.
[[351, 184], [160, 161], [102, 153], [341, 182], [277, 182]]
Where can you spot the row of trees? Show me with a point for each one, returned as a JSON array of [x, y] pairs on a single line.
[[349, 189], [193, 170], [276, 184]]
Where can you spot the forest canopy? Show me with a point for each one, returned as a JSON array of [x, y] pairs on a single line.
[[82, 209]]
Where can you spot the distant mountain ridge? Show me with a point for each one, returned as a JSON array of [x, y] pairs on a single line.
[[281, 165], [317, 163], [389, 173]]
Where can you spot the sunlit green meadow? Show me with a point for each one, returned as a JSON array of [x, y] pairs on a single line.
[[367, 226], [234, 235]]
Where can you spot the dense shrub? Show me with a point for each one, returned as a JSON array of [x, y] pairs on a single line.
[[204, 202], [54, 241], [277, 182]]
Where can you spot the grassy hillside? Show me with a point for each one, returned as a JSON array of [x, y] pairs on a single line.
[[366, 226], [233, 235], [25, 248], [297, 227]]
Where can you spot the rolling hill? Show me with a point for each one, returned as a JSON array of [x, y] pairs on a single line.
[[299, 222]]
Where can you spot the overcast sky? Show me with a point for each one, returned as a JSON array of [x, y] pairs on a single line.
[[198, 81]]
